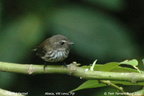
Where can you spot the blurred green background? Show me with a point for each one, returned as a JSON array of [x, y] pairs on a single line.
[[107, 30]]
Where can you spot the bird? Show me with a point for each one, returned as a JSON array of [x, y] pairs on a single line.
[[54, 49]]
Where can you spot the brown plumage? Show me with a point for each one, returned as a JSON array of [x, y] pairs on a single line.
[[54, 49]]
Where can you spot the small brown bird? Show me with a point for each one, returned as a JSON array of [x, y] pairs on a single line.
[[54, 49]]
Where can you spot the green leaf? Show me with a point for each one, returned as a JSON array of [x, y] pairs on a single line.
[[111, 67], [89, 84], [132, 62], [107, 66], [103, 67], [123, 69], [128, 83], [95, 84]]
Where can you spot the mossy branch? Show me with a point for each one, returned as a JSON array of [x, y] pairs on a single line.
[[71, 69]]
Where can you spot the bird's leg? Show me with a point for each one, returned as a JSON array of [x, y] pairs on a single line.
[[64, 64], [45, 65]]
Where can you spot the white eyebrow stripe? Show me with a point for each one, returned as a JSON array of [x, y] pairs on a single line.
[[63, 40]]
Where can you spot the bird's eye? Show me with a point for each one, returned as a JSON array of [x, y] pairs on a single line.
[[62, 43]]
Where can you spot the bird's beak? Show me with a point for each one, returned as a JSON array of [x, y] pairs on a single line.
[[71, 43]]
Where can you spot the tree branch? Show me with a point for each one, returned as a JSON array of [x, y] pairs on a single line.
[[71, 69], [112, 84], [117, 87], [9, 93]]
